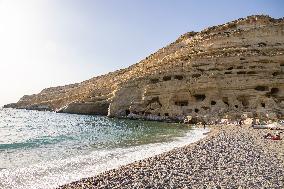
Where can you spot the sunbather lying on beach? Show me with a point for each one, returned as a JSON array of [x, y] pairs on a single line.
[[272, 137]]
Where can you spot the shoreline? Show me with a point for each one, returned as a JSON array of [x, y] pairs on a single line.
[[211, 133], [51, 174], [150, 150], [229, 156]]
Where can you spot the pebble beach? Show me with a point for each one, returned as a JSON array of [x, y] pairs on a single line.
[[229, 157]]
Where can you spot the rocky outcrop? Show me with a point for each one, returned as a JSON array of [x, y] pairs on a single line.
[[224, 71]]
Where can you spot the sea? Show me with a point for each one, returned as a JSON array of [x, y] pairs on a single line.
[[47, 149]]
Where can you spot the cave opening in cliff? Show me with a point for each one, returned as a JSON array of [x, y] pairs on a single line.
[[154, 80], [225, 100], [213, 102], [178, 77], [167, 78], [262, 44], [261, 88], [244, 100], [166, 114], [274, 91], [196, 110], [230, 68], [276, 73], [236, 106], [127, 112], [199, 97], [182, 103], [263, 104]]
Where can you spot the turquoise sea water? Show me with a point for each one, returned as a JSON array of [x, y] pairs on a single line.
[[47, 149]]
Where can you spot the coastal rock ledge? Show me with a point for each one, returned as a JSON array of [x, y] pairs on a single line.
[[224, 71]]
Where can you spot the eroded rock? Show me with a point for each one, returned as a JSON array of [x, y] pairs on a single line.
[[222, 71]]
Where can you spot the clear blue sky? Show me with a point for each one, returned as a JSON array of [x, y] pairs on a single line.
[[47, 43]]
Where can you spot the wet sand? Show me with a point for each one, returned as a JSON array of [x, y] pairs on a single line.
[[229, 157]]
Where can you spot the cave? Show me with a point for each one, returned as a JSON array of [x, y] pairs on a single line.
[[244, 100], [263, 104], [199, 97], [225, 100], [230, 68], [242, 59], [236, 106], [166, 114], [100, 108], [274, 91], [196, 110], [178, 77], [181, 103], [261, 88], [228, 72], [154, 80], [213, 102], [276, 73], [127, 112], [261, 44], [167, 78]]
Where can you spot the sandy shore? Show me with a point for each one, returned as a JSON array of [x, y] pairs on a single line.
[[230, 157]]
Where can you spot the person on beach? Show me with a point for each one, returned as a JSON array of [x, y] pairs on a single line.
[[240, 123], [272, 137], [277, 134], [204, 124]]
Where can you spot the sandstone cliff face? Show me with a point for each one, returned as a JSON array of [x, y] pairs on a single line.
[[223, 71]]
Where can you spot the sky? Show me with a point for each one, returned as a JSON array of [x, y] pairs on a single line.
[[46, 43]]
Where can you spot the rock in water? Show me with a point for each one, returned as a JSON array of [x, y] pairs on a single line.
[[222, 71]]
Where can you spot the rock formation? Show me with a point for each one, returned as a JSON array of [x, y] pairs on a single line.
[[224, 71]]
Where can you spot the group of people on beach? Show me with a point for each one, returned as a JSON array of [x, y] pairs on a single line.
[[254, 123], [268, 135]]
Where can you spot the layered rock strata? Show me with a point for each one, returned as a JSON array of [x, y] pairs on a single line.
[[224, 71]]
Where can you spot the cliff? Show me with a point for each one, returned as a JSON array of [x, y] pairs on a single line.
[[224, 71]]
